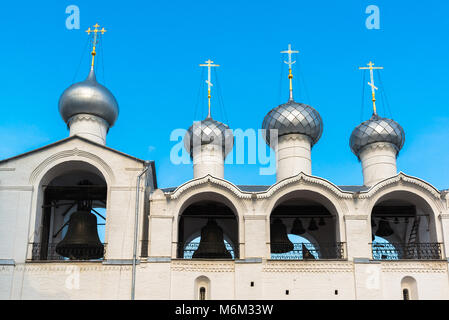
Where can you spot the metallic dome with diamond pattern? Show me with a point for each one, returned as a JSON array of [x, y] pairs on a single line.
[[294, 118], [374, 130], [209, 131]]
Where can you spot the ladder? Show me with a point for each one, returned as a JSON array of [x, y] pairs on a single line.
[[412, 250]]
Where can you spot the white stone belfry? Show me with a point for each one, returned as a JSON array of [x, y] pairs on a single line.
[[378, 162], [294, 152]]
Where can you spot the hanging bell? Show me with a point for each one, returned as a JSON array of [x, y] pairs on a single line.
[[81, 241], [280, 243], [297, 228], [212, 244], [306, 254], [312, 225], [322, 222], [384, 229], [396, 220]]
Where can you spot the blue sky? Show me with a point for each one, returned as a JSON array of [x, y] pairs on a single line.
[[150, 60]]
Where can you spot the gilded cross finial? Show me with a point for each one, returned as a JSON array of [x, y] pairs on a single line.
[[209, 64], [290, 63], [371, 69], [95, 31]]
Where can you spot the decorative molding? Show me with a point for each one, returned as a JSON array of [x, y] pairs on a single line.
[[38, 267], [308, 266], [7, 169], [444, 216], [208, 180], [399, 179], [87, 117], [202, 266], [67, 154], [415, 266], [295, 137], [303, 178], [380, 146]]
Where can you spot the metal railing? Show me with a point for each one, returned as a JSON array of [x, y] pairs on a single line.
[[40, 252], [406, 251], [308, 251], [210, 251]]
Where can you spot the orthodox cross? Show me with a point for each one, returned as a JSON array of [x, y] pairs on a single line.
[[371, 84], [209, 64], [95, 31], [290, 63]]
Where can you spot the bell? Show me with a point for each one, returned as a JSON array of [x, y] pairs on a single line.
[[280, 243], [212, 244], [322, 222], [312, 225], [306, 254], [81, 241], [396, 220], [384, 229], [297, 228]]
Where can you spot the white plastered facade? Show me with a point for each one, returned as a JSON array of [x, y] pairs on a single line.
[[162, 275]]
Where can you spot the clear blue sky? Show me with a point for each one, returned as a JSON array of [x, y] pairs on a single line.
[[151, 57]]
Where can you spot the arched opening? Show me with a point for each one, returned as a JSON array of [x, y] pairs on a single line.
[[202, 288], [304, 226], [409, 288], [71, 218], [208, 229], [403, 227]]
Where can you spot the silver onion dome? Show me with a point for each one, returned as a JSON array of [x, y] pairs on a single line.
[[209, 131], [374, 130], [293, 117], [88, 97]]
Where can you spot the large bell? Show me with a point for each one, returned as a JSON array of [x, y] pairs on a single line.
[[280, 243], [212, 244], [81, 241], [384, 229]]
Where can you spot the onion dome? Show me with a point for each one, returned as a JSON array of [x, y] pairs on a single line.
[[294, 118], [88, 97], [209, 131], [374, 130]]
